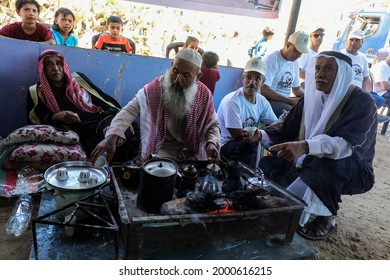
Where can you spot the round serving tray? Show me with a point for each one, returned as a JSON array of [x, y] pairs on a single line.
[[72, 184]]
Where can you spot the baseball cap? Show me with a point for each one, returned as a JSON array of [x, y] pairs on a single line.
[[191, 56], [318, 28], [357, 34], [256, 65], [300, 40]]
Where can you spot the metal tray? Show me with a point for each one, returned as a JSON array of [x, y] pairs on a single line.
[[72, 184]]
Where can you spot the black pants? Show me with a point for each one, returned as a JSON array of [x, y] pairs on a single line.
[[92, 132], [247, 152], [127, 150]]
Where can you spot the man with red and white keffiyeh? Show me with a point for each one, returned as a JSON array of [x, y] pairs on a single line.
[[70, 100], [177, 115]]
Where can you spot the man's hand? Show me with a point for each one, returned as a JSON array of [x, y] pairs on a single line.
[[293, 101], [212, 152], [108, 145], [66, 117], [251, 139], [290, 150]]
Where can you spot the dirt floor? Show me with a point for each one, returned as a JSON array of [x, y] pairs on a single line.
[[363, 231], [363, 222]]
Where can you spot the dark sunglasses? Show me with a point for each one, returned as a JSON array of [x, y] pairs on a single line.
[[318, 35]]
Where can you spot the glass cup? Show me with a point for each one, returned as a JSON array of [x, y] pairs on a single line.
[[62, 174], [251, 130], [92, 181], [84, 176], [101, 160]]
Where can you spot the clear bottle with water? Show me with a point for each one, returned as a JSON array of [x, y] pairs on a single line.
[[283, 116], [20, 217]]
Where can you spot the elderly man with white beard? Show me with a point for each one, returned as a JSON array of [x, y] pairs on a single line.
[[177, 116], [328, 138]]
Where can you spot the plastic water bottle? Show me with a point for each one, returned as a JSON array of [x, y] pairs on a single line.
[[283, 116], [20, 216]]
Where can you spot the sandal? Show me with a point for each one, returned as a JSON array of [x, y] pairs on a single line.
[[318, 229]]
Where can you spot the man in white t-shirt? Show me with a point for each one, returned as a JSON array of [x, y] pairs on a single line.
[[382, 54], [282, 75], [361, 71], [316, 38], [243, 108], [381, 73], [361, 74]]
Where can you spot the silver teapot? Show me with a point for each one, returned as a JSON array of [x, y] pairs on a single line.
[[258, 183]]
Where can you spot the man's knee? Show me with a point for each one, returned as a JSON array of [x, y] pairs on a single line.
[[278, 107], [379, 100]]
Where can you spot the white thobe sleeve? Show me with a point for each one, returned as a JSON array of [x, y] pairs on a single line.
[[327, 146], [320, 146]]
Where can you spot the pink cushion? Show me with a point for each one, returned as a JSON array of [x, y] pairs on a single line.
[[41, 133], [48, 153]]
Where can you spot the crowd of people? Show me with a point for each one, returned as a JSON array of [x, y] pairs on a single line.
[[325, 145], [60, 33]]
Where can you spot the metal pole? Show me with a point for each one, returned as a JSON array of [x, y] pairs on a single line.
[[292, 22]]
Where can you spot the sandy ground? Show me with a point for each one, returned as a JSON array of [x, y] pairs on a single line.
[[363, 222]]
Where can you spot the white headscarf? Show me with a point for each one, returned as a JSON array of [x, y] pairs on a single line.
[[317, 114]]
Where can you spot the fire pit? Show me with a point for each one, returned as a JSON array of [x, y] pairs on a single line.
[[150, 233]]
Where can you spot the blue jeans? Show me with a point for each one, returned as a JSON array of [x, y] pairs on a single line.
[[386, 97], [379, 100]]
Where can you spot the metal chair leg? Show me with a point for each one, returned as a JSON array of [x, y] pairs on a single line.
[[385, 124]]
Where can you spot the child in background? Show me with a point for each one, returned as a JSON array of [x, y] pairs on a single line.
[[63, 27], [191, 43], [261, 47], [28, 29], [113, 41], [210, 72]]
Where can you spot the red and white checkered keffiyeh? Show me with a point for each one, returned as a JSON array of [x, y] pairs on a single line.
[[74, 92], [201, 115]]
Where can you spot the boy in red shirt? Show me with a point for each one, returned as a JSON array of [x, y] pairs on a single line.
[[210, 72], [113, 40], [28, 29]]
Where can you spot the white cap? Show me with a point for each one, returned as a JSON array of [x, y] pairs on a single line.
[[300, 40], [357, 34], [318, 28], [256, 65], [191, 56]]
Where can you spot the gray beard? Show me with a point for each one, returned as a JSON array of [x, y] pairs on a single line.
[[178, 102]]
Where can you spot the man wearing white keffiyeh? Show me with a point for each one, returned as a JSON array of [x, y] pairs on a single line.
[[329, 139]]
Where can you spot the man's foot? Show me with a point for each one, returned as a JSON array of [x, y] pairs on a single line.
[[382, 118], [318, 229]]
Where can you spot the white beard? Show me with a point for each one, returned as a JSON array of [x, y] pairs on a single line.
[[178, 102]]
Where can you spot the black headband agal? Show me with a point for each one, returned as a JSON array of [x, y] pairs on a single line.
[[42, 55], [338, 55]]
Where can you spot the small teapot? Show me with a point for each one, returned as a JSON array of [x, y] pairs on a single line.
[[258, 183], [189, 177]]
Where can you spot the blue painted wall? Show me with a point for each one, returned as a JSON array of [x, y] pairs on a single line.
[[119, 75]]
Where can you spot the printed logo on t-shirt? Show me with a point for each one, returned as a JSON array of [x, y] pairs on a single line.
[[285, 81], [250, 121], [357, 70], [114, 47]]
